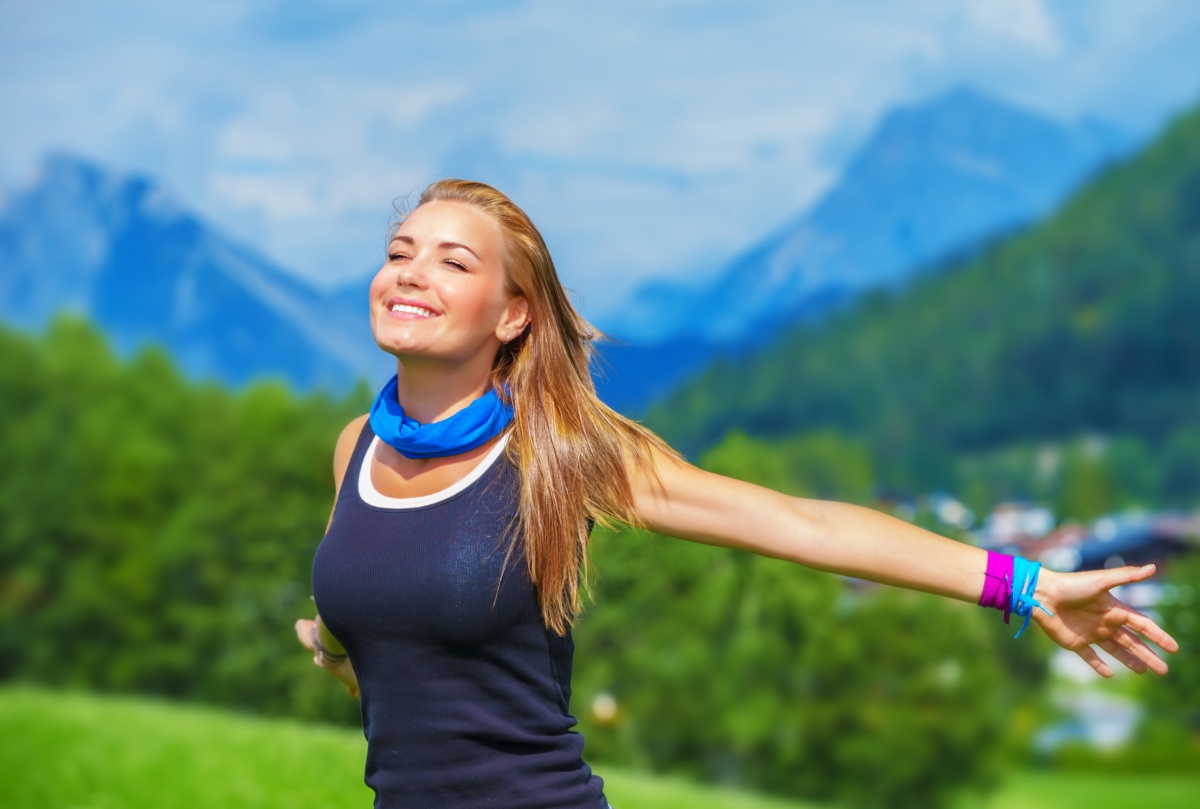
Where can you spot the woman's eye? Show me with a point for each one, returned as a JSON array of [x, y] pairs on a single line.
[[396, 256], [454, 263]]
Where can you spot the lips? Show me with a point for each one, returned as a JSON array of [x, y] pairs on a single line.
[[408, 308]]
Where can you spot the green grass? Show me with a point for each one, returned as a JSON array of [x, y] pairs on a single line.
[[78, 751], [1090, 791], [72, 750]]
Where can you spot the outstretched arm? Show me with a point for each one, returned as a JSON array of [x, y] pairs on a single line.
[[701, 506]]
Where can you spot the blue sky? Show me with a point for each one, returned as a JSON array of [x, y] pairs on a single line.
[[652, 139]]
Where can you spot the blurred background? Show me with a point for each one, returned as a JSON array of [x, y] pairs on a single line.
[[938, 258]]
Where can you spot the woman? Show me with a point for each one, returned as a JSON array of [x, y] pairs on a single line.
[[448, 576]]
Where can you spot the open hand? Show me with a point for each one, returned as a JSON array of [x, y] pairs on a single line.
[[1085, 612], [344, 672]]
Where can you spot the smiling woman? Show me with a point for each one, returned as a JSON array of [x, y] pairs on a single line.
[[450, 572]]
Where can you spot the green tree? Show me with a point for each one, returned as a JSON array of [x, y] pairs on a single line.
[[1181, 467], [738, 668], [1177, 696], [1089, 487]]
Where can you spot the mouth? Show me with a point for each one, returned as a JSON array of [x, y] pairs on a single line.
[[409, 310]]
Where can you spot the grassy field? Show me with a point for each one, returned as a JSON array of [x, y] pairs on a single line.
[[74, 751]]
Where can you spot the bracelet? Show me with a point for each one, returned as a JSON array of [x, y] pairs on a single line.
[[325, 658], [997, 583], [1025, 575], [1008, 585]]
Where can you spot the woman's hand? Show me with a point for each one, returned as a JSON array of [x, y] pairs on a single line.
[[1085, 612], [343, 671]]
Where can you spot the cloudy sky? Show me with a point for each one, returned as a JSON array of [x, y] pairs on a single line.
[[644, 138]]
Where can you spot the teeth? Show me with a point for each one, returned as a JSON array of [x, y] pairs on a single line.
[[416, 310]]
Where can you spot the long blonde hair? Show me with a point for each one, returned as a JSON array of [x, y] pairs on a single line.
[[570, 447]]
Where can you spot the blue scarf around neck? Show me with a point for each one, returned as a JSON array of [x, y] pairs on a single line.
[[470, 427]]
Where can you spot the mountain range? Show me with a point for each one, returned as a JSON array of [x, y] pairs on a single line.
[[122, 251], [1084, 324], [932, 180]]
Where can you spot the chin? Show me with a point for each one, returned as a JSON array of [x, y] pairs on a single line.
[[400, 352], [393, 340], [409, 351]]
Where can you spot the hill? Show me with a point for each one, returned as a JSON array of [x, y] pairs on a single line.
[[933, 178], [1086, 322], [79, 750]]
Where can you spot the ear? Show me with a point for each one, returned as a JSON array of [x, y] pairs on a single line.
[[514, 320]]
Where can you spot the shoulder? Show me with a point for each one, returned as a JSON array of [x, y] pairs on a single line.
[[345, 447]]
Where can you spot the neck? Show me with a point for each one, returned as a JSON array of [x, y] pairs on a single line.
[[430, 391]]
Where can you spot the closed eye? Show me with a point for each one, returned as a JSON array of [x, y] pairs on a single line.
[[396, 256], [456, 264]]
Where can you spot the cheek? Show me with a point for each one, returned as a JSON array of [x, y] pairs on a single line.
[[470, 296], [378, 284]]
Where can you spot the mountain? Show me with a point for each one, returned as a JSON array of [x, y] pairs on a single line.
[[120, 250], [1083, 323], [932, 180]]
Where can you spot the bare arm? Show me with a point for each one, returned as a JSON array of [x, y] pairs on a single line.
[[838, 537], [344, 671], [701, 506]]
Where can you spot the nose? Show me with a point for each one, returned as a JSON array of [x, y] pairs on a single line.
[[411, 274]]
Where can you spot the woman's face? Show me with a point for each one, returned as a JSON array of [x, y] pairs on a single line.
[[441, 294]]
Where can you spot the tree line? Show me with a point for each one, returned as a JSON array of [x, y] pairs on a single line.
[[158, 535]]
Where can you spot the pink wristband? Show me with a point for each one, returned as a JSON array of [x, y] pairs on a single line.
[[997, 583]]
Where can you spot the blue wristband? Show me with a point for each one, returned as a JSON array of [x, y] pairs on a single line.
[[1025, 576]]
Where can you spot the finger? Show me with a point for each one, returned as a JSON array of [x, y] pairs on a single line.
[[1137, 647], [304, 633], [1148, 629], [1092, 659], [1129, 573], [1106, 580], [1124, 656]]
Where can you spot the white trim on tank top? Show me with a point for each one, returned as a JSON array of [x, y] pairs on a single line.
[[372, 497]]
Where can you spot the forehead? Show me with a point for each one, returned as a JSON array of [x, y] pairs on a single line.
[[446, 221]]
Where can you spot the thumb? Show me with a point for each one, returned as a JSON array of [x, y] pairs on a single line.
[[1129, 573], [304, 632]]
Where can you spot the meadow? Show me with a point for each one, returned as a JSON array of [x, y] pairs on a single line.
[[71, 750]]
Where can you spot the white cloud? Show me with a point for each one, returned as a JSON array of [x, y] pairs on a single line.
[[1026, 22], [645, 139]]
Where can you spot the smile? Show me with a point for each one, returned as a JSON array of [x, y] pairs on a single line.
[[418, 311]]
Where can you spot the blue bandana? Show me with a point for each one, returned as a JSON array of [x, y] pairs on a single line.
[[475, 424]]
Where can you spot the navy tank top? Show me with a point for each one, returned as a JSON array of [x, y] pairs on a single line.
[[464, 704]]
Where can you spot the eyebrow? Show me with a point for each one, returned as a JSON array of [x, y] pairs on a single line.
[[443, 245]]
